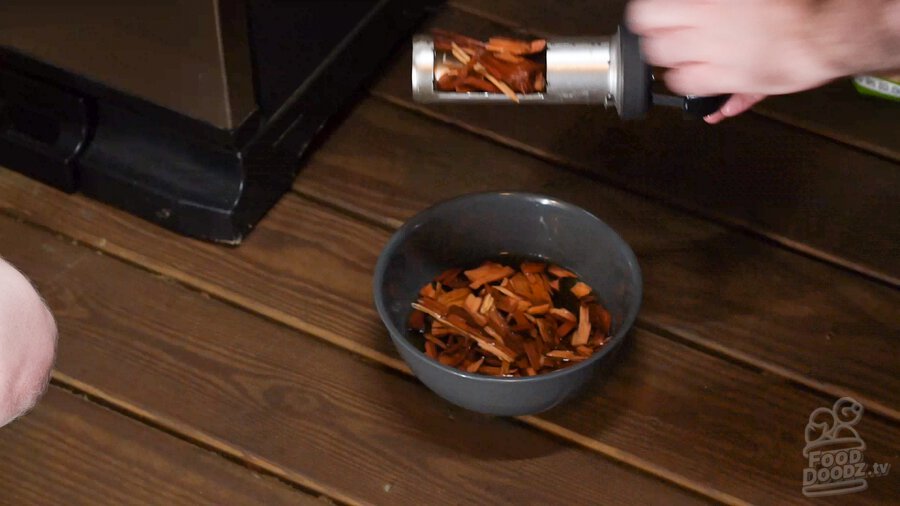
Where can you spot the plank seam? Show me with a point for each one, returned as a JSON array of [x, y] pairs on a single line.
[[206, 442], [357, 213], [828, 391], [381, 360], [248, 305], [706, 346], [238, 457], [740, 226]]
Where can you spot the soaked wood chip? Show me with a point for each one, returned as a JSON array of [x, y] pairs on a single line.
[[417, 320], [487, 273], [428, 291], [534, 356], [506, 321], [438, 329], [533, 267], [547, 330], [564, 329], [539, 310], [583, 332], [473, 367], [565, 355], [433, 339], [431, 349], [563, 314], [601, 319], [520, 286], [580, 289], [433, 306], [447, 277], [540, 288], [454, 297], [487, 344], [559, 272], [487, 303]]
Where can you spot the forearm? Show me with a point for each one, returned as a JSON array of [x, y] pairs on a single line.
[[858, 36]]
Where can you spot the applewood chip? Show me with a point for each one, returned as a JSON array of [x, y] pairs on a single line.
[[507, 321]]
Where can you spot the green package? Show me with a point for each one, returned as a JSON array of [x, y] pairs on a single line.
[[881, 87]]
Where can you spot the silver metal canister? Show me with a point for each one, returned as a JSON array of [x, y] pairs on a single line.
[[607, 71], [578, 70]]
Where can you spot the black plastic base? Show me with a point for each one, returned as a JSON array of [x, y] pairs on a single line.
[[188, 185], [182, 174]]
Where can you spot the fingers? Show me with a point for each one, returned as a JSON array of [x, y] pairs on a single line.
[[737, 104], [645, 17], [701, 79], [675, 34], [677, 47]]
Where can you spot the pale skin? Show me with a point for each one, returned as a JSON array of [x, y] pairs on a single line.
[[755, 48], [27, 344]]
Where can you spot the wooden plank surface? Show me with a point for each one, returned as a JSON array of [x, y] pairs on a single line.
[[705, 283], [69, 451], [797, 189], [835, 110], [297, 407], [839, 112], [659, 402]]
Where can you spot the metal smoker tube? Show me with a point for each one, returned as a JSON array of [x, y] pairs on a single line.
[[579, 70]]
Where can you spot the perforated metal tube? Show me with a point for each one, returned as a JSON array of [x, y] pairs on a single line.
[[579, 71]]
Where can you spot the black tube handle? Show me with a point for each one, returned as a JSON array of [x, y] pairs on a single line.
[[700, 107]]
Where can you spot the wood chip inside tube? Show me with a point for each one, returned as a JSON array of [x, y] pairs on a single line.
[[500, 65]]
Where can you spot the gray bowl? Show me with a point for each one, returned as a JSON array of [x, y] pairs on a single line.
[[472, 228]]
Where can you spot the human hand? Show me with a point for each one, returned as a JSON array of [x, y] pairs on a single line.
[[754, 48], [27, 344]]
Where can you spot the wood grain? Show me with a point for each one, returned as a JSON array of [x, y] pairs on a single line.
[[70, 451], [295, 406], [755, 174], [617, 433], [739, 430], [839, 112], [704, 283]]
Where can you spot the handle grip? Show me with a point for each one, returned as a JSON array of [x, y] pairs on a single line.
[[699, 107]]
